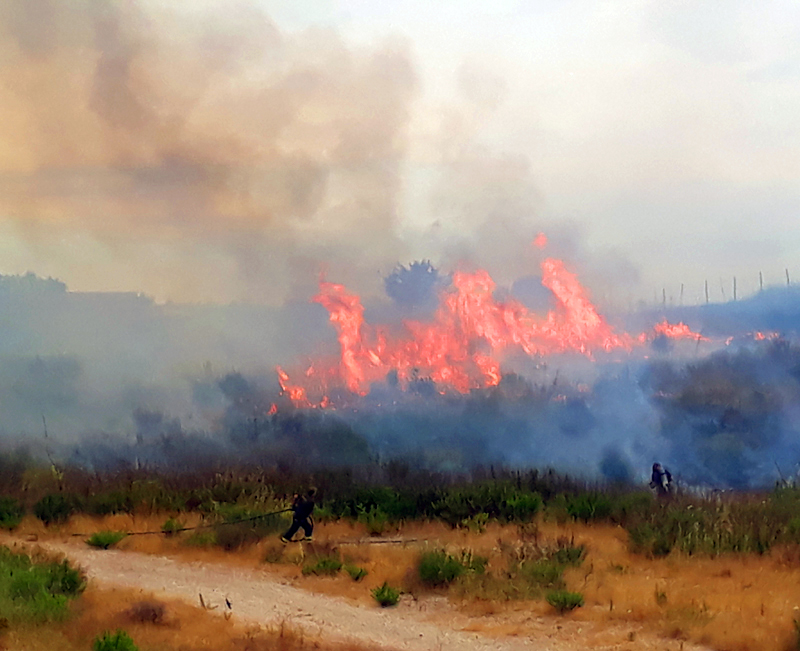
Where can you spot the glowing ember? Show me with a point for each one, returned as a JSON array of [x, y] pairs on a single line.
[[540, 241], [462, 347], [297, 394]]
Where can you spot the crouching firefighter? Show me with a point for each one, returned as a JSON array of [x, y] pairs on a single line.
[[302, 508]]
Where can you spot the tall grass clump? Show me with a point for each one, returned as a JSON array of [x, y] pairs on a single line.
[[118, 641], [589, 506], [386, 595], [438, 568], [374, 519], [746, 525], [54, 508], [36, 592], [564, 601], [11, 513], [105, 539], [171, 527], [355, 572], [323, 566], [503, 501]]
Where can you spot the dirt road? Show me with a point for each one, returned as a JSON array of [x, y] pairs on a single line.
[[258, 597]]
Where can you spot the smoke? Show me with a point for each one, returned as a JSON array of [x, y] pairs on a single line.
[[197, 152]]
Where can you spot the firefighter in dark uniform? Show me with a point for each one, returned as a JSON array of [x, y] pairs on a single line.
[[661, 480], [302, 507]]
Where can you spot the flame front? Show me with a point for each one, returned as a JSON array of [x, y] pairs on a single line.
[[677, 331], [462, 346]]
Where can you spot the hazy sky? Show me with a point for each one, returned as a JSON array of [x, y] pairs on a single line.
[[233, 150]]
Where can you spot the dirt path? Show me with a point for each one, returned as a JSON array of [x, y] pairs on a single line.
[[257, 597]]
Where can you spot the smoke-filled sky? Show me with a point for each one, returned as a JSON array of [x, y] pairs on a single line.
[[232, 150]]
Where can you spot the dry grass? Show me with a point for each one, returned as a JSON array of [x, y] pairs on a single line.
[[731, 603], [157, 625]]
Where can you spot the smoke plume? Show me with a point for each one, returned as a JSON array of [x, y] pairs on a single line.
[[196, 153]]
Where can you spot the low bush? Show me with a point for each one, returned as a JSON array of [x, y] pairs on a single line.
[[201, 538], [119, 641], [116, 501], [356, 573], [36, 591], [11, 513], [54, 508], [438, 568], [589, 506], [374, 519], [386, 595], [543, 573], [564, 601], [323, 566], [568, 554], [147, 612], [171, 527], [501, 500], [105, 539]]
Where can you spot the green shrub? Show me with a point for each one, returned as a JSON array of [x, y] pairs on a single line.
[[119, 641], [563, 601], [36, 592], [500, 500], [521, 506], [64, 579], [117, 501], [201, 538], [439, 568], [569, 555], [544, 573], [644, 538], [386, 595], [323, 566], [11, 513], [356, 573], [105, 539], [171, 527], [54, 508], [632, 506], [477, 523], [589, 506], [374, 519]]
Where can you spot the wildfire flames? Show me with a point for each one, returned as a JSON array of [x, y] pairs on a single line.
[[470, 333], [677, 331]]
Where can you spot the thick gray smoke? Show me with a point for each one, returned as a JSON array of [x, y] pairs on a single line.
[[197, 152], [109, 380]]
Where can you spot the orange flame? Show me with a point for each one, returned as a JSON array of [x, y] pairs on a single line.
[[297, 394], [462, 347], [677, 331]]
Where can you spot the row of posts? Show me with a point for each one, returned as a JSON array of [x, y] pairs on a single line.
[[735, 296]]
